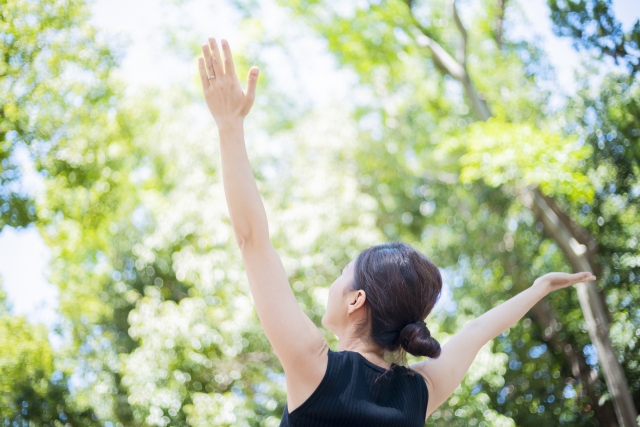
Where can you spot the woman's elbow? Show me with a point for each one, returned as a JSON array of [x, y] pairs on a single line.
[[251, 238], [245, 239]]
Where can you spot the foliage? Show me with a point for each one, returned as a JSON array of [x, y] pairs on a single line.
[[521, 155], [593, 26], [31, 391], [609, 120], [52, 71]]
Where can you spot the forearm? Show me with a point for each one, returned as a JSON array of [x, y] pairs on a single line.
[[246, 209], [500, 318]]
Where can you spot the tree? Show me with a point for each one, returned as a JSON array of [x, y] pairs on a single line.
[[46, 48], [32, 391], [593, 26]]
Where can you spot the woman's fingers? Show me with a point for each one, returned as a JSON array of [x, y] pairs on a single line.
[[252, 81], [208, 60], [561, 280], [203, 73], [233, 101], [587, 275], [584, 276], [229, 67], [215, 57]]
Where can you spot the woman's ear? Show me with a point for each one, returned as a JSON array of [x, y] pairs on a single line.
[[356, 300]]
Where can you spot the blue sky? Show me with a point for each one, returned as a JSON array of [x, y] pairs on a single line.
[[23, 254]]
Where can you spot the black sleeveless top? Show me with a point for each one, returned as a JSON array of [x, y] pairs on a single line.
[[355, 392]]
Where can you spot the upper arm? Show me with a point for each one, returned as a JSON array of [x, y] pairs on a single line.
[[444, 374], [294, 337]]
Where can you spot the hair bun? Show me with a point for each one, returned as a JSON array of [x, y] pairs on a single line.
[[416, 339]]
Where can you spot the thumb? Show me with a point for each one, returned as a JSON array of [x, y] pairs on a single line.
[[252, 80]]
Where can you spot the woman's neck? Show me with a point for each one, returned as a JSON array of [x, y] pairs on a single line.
[[368, 351]]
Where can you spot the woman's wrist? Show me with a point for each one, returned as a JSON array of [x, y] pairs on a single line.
[[542, 285], [231, 134], [230, 126]]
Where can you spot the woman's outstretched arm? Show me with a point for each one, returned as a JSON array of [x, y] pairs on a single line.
[[444, 374], [294, 337]]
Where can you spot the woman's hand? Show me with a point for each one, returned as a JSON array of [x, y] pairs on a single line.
[[553, 281], [226, 100]]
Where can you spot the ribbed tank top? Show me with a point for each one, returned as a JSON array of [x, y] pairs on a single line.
[[355, 392]]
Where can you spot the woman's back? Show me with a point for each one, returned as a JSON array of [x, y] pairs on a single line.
[[355, 392]]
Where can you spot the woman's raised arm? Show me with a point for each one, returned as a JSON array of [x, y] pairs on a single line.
[[444, 374], [295, 339]]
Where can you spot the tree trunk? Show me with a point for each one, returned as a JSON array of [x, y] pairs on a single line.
[[594, 309], [574, 241], [547, 319]]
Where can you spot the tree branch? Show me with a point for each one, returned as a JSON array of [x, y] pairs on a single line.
[[445, 62], [448, 65], [462, 51], [497, 32], [582, 236]]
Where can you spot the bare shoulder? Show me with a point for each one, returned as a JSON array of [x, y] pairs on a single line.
[[304, 376], [445, 373], [420, 367]]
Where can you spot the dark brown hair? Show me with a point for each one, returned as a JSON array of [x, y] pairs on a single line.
[[402, 286]]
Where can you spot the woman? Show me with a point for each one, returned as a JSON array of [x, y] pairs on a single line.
[[377, 305]]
